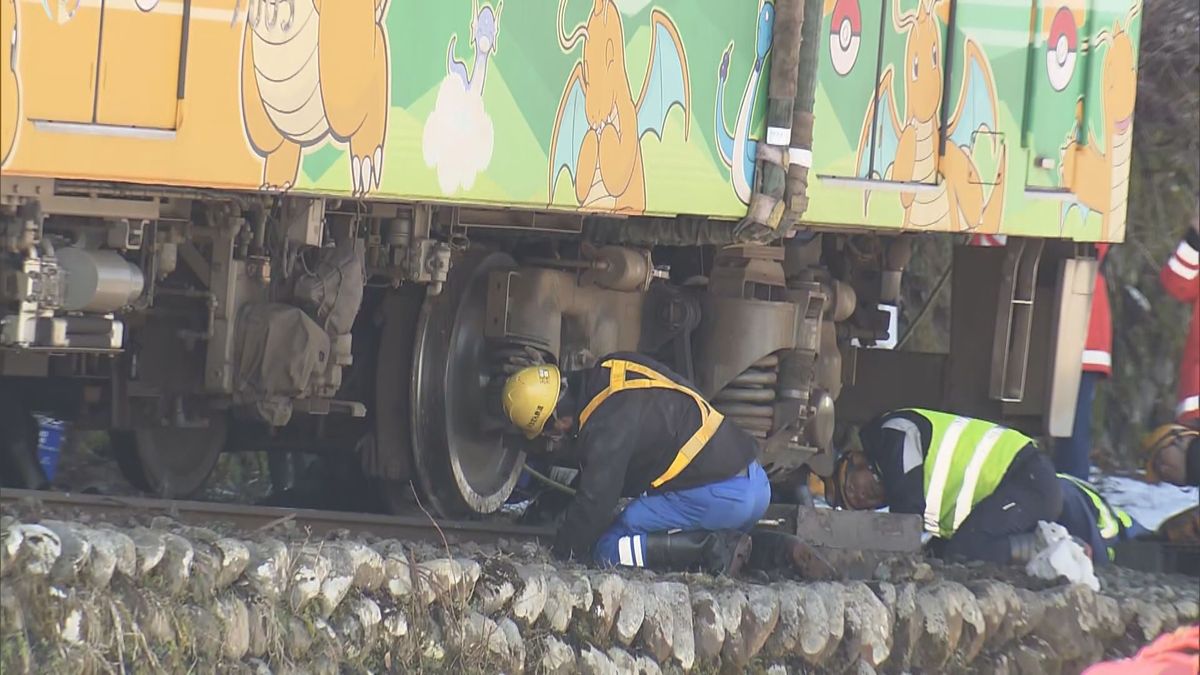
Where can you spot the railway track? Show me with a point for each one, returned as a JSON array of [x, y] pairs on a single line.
[[249, 517]]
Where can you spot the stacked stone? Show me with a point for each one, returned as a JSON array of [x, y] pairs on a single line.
[[81, 598]]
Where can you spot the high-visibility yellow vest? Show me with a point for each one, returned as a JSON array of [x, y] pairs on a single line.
[[1108, 520], [966, 460], [618, 381]]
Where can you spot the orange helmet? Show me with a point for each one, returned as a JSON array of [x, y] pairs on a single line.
[[835, 485], [1160, 438]]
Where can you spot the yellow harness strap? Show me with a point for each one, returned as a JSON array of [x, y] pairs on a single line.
[[710, 419]]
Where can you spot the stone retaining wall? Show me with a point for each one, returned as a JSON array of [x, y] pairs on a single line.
[[97, 598]]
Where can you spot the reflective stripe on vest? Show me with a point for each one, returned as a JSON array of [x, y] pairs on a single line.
[[1125, 518], [710, 419], [1106, 520], [966, 460]]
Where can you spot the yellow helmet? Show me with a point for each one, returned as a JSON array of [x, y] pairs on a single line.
[[1158, 439], [530, 395]]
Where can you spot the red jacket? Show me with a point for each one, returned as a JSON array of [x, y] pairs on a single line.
[[1097, 350], [1181, 278]]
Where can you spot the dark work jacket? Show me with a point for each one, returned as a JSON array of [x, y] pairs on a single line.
[[629, 441], [885, 448]]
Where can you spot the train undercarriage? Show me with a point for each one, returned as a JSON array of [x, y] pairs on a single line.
[[193, 323]]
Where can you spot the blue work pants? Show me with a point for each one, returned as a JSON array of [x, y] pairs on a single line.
[[1028, 493], [733, 504], [1073, 455]]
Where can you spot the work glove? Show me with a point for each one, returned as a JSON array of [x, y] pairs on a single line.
[[526, 357], [547, 509]]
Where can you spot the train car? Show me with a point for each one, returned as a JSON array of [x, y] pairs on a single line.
[[314, 225]]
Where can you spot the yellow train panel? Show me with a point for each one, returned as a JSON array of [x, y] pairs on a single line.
[[10, 94], [58, 76], [139, 65], [135, 129]]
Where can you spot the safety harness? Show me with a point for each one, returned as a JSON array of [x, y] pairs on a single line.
[[619, 381], [966, 460]]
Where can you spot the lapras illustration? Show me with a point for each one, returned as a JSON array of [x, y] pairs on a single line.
[[313, 70], [1098, 176], [737, 149], [599, 127], [10, 83], [458, 136], [905, 148]]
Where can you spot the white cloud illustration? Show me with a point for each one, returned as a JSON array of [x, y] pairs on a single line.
[[458, 136]]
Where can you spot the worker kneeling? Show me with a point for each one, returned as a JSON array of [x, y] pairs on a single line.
[[643, 431], [981, 487]]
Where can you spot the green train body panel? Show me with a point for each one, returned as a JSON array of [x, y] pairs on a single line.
[[623, 106], [1037, 128]]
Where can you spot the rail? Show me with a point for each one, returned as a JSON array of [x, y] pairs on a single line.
[[250, 517]]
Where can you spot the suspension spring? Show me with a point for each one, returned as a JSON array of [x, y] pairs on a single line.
[[748, 400]]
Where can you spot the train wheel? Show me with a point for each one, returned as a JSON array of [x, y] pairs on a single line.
[[170, 462], [463, 467]]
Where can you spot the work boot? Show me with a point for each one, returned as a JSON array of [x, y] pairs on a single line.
[[1022, 547], [780, 550], [721, 552]]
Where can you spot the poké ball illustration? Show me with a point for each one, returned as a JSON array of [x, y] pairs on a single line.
[[1062, 47], [845, 35]]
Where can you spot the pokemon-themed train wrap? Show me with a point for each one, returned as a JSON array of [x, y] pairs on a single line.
[[943, 115]]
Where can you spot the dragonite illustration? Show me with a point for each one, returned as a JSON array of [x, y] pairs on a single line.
[[311, 70], [10, 86], [906, 148], [738, 150], [599, 127], [1100, 178], [485, 26]]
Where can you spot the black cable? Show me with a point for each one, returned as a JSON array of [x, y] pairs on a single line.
[[549, 481], [933, 296]]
